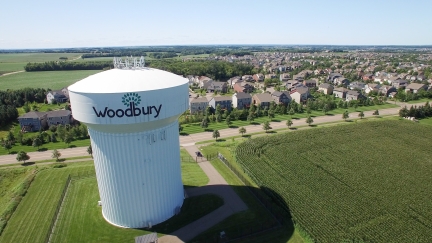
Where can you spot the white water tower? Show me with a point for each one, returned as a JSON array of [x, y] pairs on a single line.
[[132, 116]]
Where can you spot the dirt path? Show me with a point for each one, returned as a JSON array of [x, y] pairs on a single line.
[[6, 74]]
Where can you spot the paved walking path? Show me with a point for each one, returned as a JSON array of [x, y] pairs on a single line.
[[216, 185]]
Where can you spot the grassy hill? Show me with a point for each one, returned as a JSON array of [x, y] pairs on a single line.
[[366, 182]]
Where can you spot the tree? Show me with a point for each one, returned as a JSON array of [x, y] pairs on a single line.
[[242, 131], [53, 138], [228, 120], [90, 150], [61, 132], [309, 120], [325, 109], [361, 115], [180, 128], [376, 113], [271, 114], [7, 145], [56, 154], [289, 123], [53, 128], [250, 118], [22, 156], [266, 126], [345, 115], [68, 138], [10, 137], [403, 112], [291, 112], [216, 134], [204, 123], [37, 142]]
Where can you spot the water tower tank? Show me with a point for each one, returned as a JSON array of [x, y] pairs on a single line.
[[132, 118]]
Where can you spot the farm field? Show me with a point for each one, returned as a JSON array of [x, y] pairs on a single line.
[[365, 182], [48, 79], [192, 128]]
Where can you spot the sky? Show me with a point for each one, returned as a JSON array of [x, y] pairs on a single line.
[[100, 23]]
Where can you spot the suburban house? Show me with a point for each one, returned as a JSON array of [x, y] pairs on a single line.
[[415, 87], [300, 94], [60, 96], [225, 102], [243, 87], [241, 100], [270, 76], [341, 81], [284, 77], [35, 121], [247, 78], [310, 83], [198, 105], [400, 83], [353, 95], [326, 88], [372, 87], [217, 86], [357, 85], [202, 81], [340, 92], [262, 100], [386, 90], [233, 81], [332, 76], [281, 97], [59, 117], [259, 77], [368, 77]]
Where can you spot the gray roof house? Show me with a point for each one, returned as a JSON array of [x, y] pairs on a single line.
[[225, 102], [400, 83], [353, 95], [281, 97], [35, 121], [59, 96], [415, 87], [217, 86], [241, 100], [357, 85], [300, 94], [198, 105], [340, 92]]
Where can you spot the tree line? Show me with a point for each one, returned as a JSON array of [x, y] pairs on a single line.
[[417, 112], [216, 70], [60, 66]]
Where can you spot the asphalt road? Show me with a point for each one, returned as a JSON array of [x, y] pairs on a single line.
[[191, 139]]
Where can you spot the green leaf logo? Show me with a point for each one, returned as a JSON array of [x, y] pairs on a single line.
[[131, 97]]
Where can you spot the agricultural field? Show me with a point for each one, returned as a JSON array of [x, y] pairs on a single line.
[[11, 62], [365, 182], [48, 79]]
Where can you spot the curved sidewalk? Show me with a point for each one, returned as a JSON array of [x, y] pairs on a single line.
[[218, 186]]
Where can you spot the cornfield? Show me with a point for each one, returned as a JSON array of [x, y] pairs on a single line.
[[366, 182]]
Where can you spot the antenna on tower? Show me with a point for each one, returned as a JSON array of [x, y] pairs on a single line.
[[129, 63]]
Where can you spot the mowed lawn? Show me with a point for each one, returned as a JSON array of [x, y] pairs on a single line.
[[48, 79], [196, 127], [32, 218], [82, 219]]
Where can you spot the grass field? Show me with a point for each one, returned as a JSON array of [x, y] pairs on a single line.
[[50, 79], [427, 121], [196, 127], [365, 182], [31, 220], [82, 221]]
